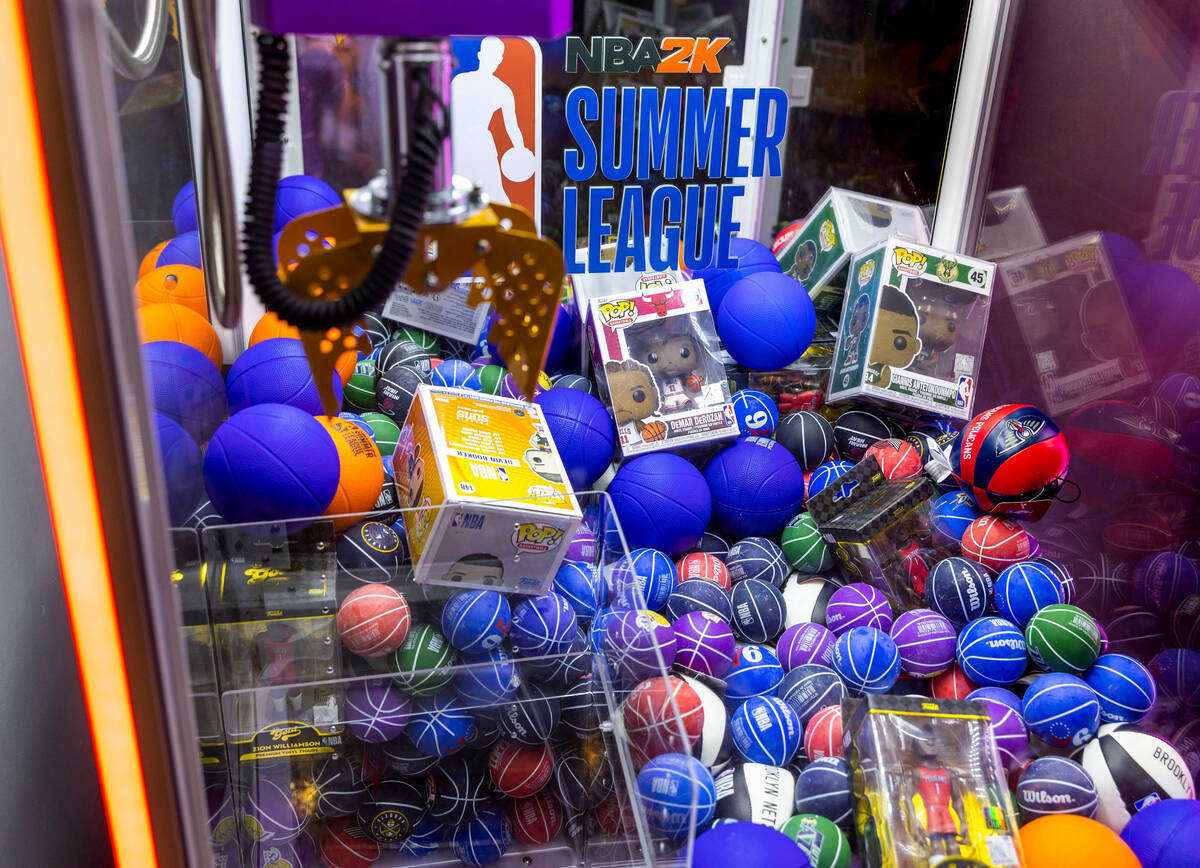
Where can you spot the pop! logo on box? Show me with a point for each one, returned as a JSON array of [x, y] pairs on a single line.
[[536, 537], [618, 314], [910, 261]]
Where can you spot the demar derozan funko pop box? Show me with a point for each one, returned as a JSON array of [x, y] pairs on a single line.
[[655, 354]]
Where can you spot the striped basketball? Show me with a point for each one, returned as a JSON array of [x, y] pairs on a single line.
[[808, 436], [1022, 589], [373, 620], [1161, 581], [758, 610], [823, 788], [543, 625], [951, 684], [537, 819], [488, 678], [1055, 785], [663, 715], [698, 565], [375, 711], [460, 789], [1061, 709], [953, 513], [996, 542], [344, 844], [898, 459], [855, 431], [698, 595], [1132, 770], [704, 642], [422, 664], [1008, 727], [991, 651], [476, 621], [756, 557], [1124, 688], [959, 589], [1136, 631], [858, 605], [926, 641], [827, 474], [1065, 580], [1102, 584], [766, 730], [520, 770], [1063, 638], [805, 643], [823, 735], [582, 587], [677, 794], [1177, 673], [642, 579], [1010, 451], [755, 672], [440, 725], [712, 543], [483, 840], [637, 644], [531, 716], [867, 660], [810, 687], [820, 839], [804, 547]]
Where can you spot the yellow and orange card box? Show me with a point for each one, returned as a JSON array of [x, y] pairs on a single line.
[[491, 502]]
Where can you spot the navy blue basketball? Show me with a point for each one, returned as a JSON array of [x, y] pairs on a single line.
[[275, 371], [756, 413], [809, 687], [574, 381], [662, 502], [713, 544], [756, 557], [460, 789], [181, 465], [991, 651], [1022, 589], [484, 839], [543, 625], [1055, 785], [756, 671], [583, 433], [699, 595], [1061, 709], [370, 551], [867, 660], [298, 195], [953, 513], [186, 386], [1177, 673], [1124, 688], [959, 589], [582, 587], [271, 462], [644, 573], [488, 678], [756, 487], [183, 249], [758, 611], [823, 788], [766, 730], [531, 715], [476, 621], [825, 475]]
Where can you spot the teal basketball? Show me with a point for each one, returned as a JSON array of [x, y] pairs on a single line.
[[359, 394], [384, 431], [1063, 638], [822, 841], [804, 547]]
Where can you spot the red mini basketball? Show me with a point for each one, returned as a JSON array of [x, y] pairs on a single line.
[[996, 542], [373, 620], [898, 459], [823, 735], [537, 819], [650, 717], [951, 684], [520, 770], [345, 845], [699, 565]]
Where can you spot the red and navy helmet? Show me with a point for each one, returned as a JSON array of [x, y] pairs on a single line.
[[1012, 459]]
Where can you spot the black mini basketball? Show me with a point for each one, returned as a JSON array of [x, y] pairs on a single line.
[[855, 431], [531, 716], [460, 788], [402, 352], [808, 436], [390, 816]]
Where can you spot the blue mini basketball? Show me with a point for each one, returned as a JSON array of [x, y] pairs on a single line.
[[440, 725], [991, 651], [1065, 580], [1061, 709], [662, 501], [648, 571], [298, 195], [756, 486], [825, 474], [426, 836], [953, 513], [823, 788], [186, 386], [752, 256], [756, 557], [543, 625], [755, 412], [484, 839], [810, 687], [487, 678], [183, 249], [476, 621], [1161, 580], [867, 660], [766, 730], [582, 587], [583, 433], [1022, 589], [1055, 785], [183, 209], [1124, 688], [677, 793], [599, 628], [456, 374], [699, 595], [275, 371], [959, 589], [1177, 673], [359, 421], [758, 611], [756, 671]]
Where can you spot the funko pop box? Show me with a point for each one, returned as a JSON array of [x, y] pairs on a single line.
[[493, 505], [655, 351], [912, 329]]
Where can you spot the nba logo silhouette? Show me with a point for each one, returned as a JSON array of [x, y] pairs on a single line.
[[496, 119]]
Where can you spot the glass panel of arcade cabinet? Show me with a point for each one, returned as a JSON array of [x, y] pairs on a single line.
[[1092, 211]]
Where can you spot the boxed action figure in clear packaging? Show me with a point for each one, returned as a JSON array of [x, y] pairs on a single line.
[[655, 354], [929, 783]]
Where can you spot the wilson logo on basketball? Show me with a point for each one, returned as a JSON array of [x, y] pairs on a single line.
[[536, 537], [1018, 432], [910, 261]]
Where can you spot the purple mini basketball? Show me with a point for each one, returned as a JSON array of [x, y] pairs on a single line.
[[704, 642], [926, 642], [376, 711], [583, 546], [858, 605], [633, 641], [1162, 580], [807, 643], [1008, 727]]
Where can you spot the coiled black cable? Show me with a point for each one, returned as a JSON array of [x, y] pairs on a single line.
[[407, 208]]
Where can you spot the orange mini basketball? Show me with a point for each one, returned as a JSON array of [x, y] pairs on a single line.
[[150, 260], [174, 322], [177, 284], [270, 326], [1072, 841], [361, 478], [654, 431]]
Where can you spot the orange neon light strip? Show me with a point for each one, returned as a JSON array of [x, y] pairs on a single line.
[[35, 279]]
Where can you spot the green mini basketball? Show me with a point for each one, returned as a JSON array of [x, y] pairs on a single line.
[[429, 343], [803, 546], [1062, 638], [491, 377], [422, 664], [359, 393], [385, 431], [822, 841]]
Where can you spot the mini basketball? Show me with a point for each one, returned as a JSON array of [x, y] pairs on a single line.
[[1132, 770], [755, 412], [756, 487], [823, 735], [269, 813], [440, 725], [897, 459], [459, 790], [1022, 589], [766, 321], [583, 433], [395, 391], [808, 436], [867, 660], [519, 770], [175, 322], [344, 845], [537, 819], [173, 284], [476, 621], [384, 431], [663, 715], [820, 839], [804, 547], [662, 502], [755, 672], [858, 605], [953, 513], [370, 551], [644, 578], [677, 794], [1065, 580], [951, 684], [810, 687], [855, 431], [402, 352], [807, 599], [359, 391], [758, 611], [991, 651], [1102, 583], [456, 374], [1162, 580], [751, 257], [1061, 709], [825, 475], [996, 542], [574, 381], [1177, 673], [712, 543], [270, 462], [421, 665], [373, 620], [275, 371], [637, 643], [395, 807], [1008, 727], [542, 625], [487, 678], [756, 557], [1055, 785], [699, 595], [1123, 686], [1155, 832], [581, 586], [298, 195], [766, 730], [805, 643], [185, 386], [360, 481], [1136, 631], [926, 641], [704, 642], [531, 715], [1063, 638], [483, 840], [823, 789], [705, 567], [339, 788]]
